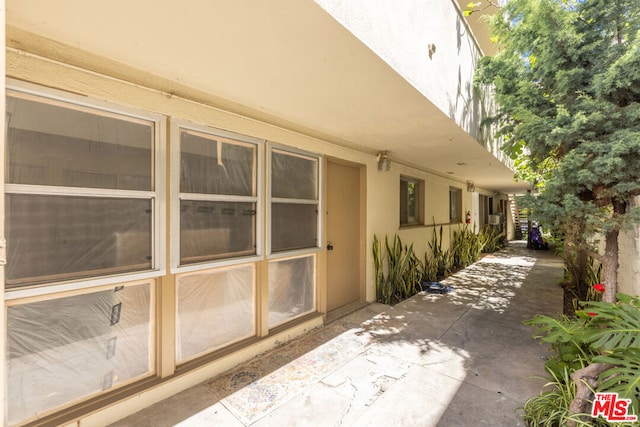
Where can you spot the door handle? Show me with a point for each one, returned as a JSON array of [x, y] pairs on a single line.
[[329, 247]]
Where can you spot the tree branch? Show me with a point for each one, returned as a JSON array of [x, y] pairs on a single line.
[[596, 256], [490, 3], [586, 380]]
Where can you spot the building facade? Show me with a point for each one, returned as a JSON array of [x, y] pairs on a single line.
[[187, 185]]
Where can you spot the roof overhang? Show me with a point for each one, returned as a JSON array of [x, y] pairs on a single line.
[[288, 63]]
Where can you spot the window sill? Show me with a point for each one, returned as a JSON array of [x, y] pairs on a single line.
[[409, 226]]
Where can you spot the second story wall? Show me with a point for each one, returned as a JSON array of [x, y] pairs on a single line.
[[429, 45]]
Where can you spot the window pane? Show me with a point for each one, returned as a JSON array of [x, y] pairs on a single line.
[[455, 205], [294, 177], [52, 145], [210, 166], [291, 289], [293, 226], [214, 309], [404, 203], [411, 201], [411, 196], [214, 230], [52, 238], [66, 349]]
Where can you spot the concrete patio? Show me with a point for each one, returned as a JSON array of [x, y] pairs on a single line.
[[460, 359]]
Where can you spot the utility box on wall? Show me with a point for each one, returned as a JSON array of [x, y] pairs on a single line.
[[495, 219]]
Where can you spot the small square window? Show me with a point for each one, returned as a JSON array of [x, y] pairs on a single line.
[[411, 201]]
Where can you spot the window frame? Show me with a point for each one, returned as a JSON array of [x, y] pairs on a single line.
[[254, 290], [110, 286], [177, 126], [156, 196], [458, 204], [314, 285], [270, 200], [419, 198]]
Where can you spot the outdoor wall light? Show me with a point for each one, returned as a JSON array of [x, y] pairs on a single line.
[[384, 164], [471, 187]]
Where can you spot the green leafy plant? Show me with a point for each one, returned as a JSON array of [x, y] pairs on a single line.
[[551, 407], [443, 258], [466, 247], [378, 268], [397, 264], [429, 268], [399, 273], [404, 270], [599, 348], [491, 239]]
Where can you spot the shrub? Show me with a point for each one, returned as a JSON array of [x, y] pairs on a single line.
[[601, 333]]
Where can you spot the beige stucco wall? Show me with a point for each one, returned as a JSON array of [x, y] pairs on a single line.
[[430, 45], [382, 201], [382, 197], [629, 269]]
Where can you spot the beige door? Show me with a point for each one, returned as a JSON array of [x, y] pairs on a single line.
[[343, 235]]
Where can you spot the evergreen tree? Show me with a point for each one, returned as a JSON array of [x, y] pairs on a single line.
[[567, 85]]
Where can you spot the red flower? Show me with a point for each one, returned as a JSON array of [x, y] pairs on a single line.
[[592, 314], [598, 287]]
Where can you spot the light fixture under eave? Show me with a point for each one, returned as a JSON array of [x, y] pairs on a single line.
[[471, 187], [384, 164]]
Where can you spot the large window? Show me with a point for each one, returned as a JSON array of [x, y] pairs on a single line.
[[81, 197], [411, 201], [295, 228], [62, 350], [218, 192]]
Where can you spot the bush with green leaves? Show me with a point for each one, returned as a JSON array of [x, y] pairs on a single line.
[[399, 273], [441, 259], [491, 239], [604, 338], [403, 270], [466, 247]]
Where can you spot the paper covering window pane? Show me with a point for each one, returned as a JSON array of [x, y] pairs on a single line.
[[53, 238], [214, 309], [50, 144], [293, 226], [214, 230], [62, 350], [293, 176], [291, 289], [210, 166]]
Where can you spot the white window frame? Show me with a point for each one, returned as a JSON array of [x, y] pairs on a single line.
[[157, 196], [176, 128], [271, 146]]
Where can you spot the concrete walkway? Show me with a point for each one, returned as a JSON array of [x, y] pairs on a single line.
[[459, 359]]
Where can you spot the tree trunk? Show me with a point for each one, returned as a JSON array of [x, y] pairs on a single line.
[[581, 273], [586, 380], [567, 253], [610, 267]]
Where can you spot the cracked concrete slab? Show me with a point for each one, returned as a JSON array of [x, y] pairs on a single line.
[[458, 359]]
